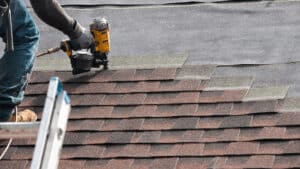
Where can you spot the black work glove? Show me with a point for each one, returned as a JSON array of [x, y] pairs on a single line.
[[84, 41]]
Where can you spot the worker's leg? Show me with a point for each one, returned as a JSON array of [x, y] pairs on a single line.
[[15, 66]]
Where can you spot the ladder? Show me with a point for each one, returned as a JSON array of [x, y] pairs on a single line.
[[50, 132]]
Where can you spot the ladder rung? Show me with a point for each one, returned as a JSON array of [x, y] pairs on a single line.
[[18, 130], [19, 125]]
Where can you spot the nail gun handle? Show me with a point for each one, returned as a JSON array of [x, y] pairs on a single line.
[[66, 47]]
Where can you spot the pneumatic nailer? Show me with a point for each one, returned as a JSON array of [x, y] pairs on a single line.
[[95, 56]]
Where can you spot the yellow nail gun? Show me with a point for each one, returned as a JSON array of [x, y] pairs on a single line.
[[96, 56]]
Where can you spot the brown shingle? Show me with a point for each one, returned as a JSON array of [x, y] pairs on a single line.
[[196, 163], [172, 98], [222, 96], [119, 164], [254, 107], [164, 163], [17, 164], [220, 135], [237, 148], [165, 149], [141, 164], [123, 75], [191, 150], [287, 161]]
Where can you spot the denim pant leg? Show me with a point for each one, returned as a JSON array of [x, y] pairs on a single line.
[[15, 66]]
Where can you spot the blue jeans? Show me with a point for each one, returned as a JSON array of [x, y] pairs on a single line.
[[16, 66]]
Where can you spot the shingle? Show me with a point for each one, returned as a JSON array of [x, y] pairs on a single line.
[[91, 112], [228, 83], [221, 96], [168, 163], [123, 75], [133, 150], [293, 147], [123, 99], [94, 164], [214, 149], [158, 124], [171, 136], [112, 151], [71, 164], [97, 137], [196, 72], [119, 163], [192, 136], [16, 164], [236, 121], [289, 119], [293, 132], [147, 137], [265, 120], [209, 122], [155, 74], [165, 150], [87, 99], [186, 123], [239, 148], [248, 134], [216, 109], [84, 125], [111, 124], [272, 147], [148, 86], [191, 150], [89, 88], [33, 101], [41, 76], [254, 107], [120, 137], [220, 135], [196, 163], [236, 161], [172, 98], [131, 124], [180, 85], [93, 76], [123, 111], [290, 105], [266, 93], [141, 164], [82, 152], [287, 161], [75, 138], [124, 124], [35, 89], [264, 161], [140, 62], [128, 111]]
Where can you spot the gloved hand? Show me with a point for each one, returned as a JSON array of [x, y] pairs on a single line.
[[84, 41]]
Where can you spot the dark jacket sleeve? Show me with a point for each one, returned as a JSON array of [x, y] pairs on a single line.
[[51, 12]]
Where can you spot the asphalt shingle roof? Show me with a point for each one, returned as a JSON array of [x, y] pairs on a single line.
[[151, 119]]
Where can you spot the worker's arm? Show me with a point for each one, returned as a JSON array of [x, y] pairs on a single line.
[[51, 12]]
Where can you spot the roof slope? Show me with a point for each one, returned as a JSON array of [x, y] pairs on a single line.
[[170, 119]]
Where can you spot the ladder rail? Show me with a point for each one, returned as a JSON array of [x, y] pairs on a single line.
[[52, 128], [45, 124]]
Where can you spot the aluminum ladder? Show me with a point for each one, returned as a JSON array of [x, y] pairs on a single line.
[[50, 132]]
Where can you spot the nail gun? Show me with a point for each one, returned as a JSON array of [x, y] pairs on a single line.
[[94, 57]]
